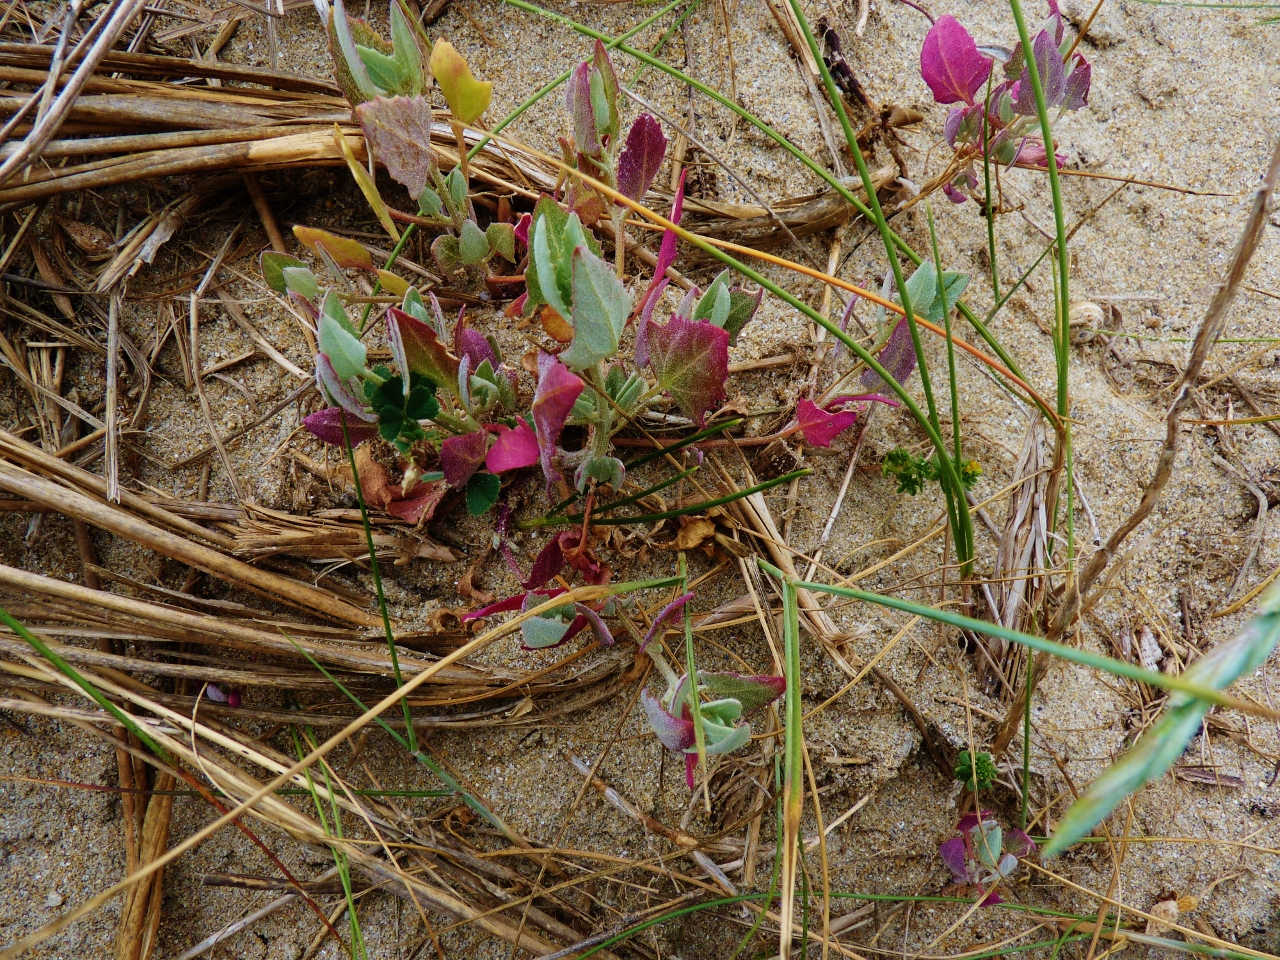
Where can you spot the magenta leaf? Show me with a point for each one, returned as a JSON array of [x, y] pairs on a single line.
[[399, 131], [522, 228], [462, 456], [641, 158], [1053, 77], [473, 344], [991, 899], [666, 257], [1077, 94], [954, 195], [549, 562], [1031, 153], [422, 350], [691, 361], [513, 448], [951, 64], [1018, 843], [953, 854], [326, 425], [820, 426], [557, 390], [664, 614], [509, 603], [675, 733]]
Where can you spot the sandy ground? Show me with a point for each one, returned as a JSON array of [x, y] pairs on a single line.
[[1180, 97]]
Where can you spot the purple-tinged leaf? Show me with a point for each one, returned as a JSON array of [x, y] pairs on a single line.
[[598, 628], [1031, 153], [898, 359], [992, 899], [951, 64], [1019, 844], [666, 257], [582, 118], [513, 449], [421, 504], [399, 131], [607, 78], [1077, 94], [552, 401], [336, 389], [753, 692], [510, 603], [953, 854], [473, 344], [954, 195], [972, 821], [546, 630], [1054, 22], [422, 350], [641, 158], [951, 126], [326, 425], [675, 733], [462, 456], [548, 564], [691, 361], [522, 228], [820, 426], [664, 614], [1053, 77], [690, 766]]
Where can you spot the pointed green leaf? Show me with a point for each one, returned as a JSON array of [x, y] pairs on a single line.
[[601, 306], [502, 240], [273, 264], [338, 340], [473, 245]]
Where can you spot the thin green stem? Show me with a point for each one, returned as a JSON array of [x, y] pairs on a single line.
[[990, 200], [691, 671], [951, 344], [377, 585]]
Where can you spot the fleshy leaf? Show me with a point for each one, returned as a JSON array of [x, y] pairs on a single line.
[[954, 195], [502, 240], [338, 341], [399, 131], [326, 425], [473, 245], [422, 350], [513, 449], [273, 266], [606, 108], [820, 426], [753, 692], [467, 97], [641, 158], [665, 614], [346, 251], [674, 733], [352, 76], [691, 362], [542, 278], [1053, 77], [474, 345], [601, 306], [447, 253], [462, 456], [544, 631], [951, 64], [557, 390]]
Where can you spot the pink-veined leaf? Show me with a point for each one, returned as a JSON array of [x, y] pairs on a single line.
[[691, 361], [422, 350], [326, 425], [641, 158], [462, 456], [951, 64], [513, 449], [558, 388], [820, 426], [1053, 78]]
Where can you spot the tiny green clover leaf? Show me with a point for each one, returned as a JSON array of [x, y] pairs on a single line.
[[482, 493]]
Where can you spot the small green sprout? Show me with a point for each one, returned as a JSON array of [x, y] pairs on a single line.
[[975, 774]]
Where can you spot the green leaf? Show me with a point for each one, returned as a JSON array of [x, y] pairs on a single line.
[[1162, 744], [447, 253], [273, 265], [473, 245], [457, 188], [543, 267], [405, 44], [431, 206], [601, 306], [922, 288], [482, 493], [385, 71], [302, 281], [714, 304], [338, 340], [502, 240]]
